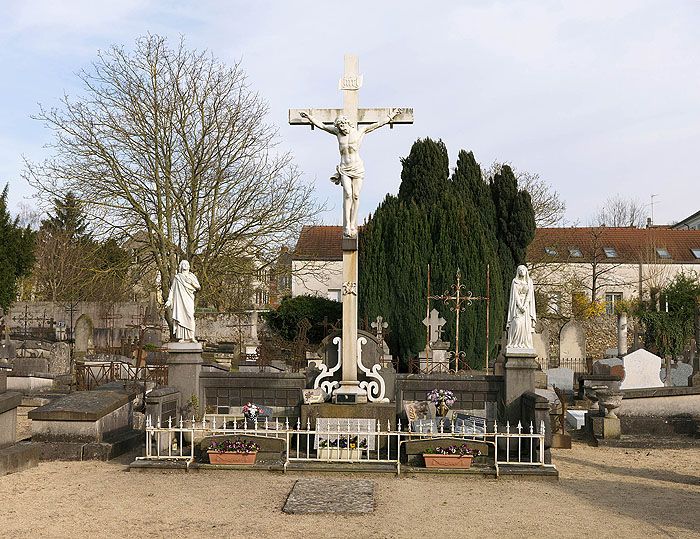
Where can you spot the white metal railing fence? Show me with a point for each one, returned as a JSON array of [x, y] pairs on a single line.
[[343, 442]]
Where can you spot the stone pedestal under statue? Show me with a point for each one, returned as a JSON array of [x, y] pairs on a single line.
[[520, 372], [184, 367]]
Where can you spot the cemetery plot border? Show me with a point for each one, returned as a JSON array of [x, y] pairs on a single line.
[[378, 445]]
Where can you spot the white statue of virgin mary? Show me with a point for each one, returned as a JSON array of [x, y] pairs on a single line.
[[181, 301], [521, 311]]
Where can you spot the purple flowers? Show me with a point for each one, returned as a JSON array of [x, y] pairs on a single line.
[[234, 446], [436, 396], [461, 450]]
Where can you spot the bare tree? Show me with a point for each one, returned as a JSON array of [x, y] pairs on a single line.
[[549, 208], [617, 211], [171, 145]]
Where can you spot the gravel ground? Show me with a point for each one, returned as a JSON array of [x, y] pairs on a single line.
[[602, 492]]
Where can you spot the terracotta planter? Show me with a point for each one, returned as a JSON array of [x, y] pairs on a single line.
[[231, 458], [433, 460], [339, 453]]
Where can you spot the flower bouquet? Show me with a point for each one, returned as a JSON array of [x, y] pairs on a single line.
[[342, 448], [442, 399]]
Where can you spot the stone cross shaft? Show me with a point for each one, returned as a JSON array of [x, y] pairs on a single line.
[[350, 174]]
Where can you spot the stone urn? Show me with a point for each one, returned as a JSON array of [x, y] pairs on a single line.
[[610, 399], [591, 393]]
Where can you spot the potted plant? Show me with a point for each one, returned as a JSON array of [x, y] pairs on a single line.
[[232, 452], [453, 456], [342, 448], [442, 399]]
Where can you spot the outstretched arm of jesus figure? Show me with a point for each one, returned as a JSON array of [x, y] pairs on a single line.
[[371, 127], [328, 128]]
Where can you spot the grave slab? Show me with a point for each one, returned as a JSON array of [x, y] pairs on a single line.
[[330, 496], [85, 416]]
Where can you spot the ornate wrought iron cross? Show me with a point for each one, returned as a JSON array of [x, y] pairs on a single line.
[[458, 298]]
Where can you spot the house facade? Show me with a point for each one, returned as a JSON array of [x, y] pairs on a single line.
[[317, 262], [609, 264]]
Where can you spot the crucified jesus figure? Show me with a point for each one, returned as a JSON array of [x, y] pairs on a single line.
[[351, 171]]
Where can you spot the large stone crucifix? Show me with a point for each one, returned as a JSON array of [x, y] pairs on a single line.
[[350, 124]]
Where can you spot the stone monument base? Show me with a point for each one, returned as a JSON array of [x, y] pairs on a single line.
[[184, 367], [349, 392], [520, 369], [607, 428]]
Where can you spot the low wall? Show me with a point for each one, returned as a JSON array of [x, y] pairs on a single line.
[[226, 392], [472, 392], [661, 411]]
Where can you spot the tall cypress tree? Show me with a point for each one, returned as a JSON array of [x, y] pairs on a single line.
[[450, 223], [16, 253]]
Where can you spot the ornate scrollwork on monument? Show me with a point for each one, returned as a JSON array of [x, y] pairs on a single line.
[[349, 287], [329, 385], [376, 388]]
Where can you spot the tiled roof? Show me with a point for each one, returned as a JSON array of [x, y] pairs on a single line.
[[319, 243], [631, 245]]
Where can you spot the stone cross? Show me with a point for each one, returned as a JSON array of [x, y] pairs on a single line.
[[349, 125], [350, 84], [434, 323], [380, 325]]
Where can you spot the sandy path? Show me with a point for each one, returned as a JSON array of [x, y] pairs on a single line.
[[603, 492]]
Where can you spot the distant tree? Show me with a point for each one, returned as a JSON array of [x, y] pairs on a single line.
[[548, 206], [170, 148], [16, 252], [618, 211], [68, 217], [670, 331]]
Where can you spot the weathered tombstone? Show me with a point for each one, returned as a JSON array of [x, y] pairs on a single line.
[[642, 369], [541, 344], [680, 373], [572, 340], [562, 378], [605, 366]]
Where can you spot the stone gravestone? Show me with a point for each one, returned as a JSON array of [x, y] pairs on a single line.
[[572, 340], [541, 343], [680, 372], [609, 366], [642, 369], [562, 378]]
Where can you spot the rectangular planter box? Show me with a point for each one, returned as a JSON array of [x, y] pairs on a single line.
[[339, 453], [447, 461], [231, 458]]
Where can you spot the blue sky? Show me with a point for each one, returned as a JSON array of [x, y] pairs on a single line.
[[597, 97]]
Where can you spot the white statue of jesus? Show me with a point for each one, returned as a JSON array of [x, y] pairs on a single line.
[[351, 171], [181, 301]]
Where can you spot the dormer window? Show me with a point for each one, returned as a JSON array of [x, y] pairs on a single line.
[[696, 252], [610, 252], [551, 251], [575, 252], [663, 252]]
